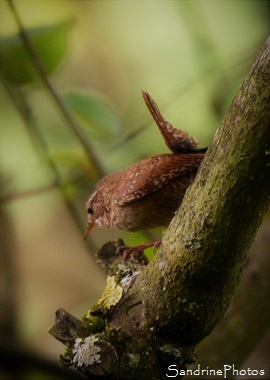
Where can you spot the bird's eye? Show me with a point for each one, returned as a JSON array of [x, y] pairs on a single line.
[[90, 211]]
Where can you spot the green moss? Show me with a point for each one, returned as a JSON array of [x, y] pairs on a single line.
[[66, 359], [115, 336], [93, 323]]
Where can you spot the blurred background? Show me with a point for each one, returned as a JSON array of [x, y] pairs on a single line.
[[191, 56]]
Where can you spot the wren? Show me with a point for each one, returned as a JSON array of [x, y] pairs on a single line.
[[148, 193]]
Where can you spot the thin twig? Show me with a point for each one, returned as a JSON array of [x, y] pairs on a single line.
[[39, 67], [174, 97], [27, 193], [41, 146]]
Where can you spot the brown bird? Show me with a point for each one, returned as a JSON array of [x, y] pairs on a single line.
[[148, 193]]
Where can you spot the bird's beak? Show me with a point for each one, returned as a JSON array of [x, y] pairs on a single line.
[[88, 229]]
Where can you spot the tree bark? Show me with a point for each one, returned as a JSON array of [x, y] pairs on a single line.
[[175, 301], [246, 322]]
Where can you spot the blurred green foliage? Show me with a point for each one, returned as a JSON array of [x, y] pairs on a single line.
[[191, 56], [50, 44], [96, 113]]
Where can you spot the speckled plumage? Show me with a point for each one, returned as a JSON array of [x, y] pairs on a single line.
[[148, 193]]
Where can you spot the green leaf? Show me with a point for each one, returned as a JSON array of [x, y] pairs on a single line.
[[95, 112], [50, 44]]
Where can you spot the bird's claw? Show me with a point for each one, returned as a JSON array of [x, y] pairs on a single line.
[[133, 252], [137, 252]]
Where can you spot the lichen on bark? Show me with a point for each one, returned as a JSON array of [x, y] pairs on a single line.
[[176, 300]]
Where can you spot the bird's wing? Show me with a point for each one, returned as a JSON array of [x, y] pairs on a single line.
[[148, 175]]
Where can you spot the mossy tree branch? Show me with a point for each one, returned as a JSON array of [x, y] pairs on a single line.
[[206, 246], [180, 296]]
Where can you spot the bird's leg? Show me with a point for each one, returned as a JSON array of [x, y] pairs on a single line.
[[137, 251]]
